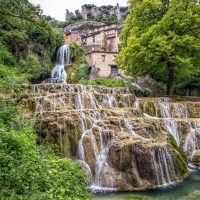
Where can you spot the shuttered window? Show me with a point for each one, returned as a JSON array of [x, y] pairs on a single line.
[[114, 70]]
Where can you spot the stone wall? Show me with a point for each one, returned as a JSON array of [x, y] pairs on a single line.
[[102, 38], [95, 39], [113, 44], [102, 60], [92, 47], [73, 37]]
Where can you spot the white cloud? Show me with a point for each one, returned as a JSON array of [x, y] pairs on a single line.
[[57, 8]]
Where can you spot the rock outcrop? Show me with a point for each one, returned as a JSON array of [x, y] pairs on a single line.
[[123, 142], [91, 10], [82, 27], [196, 158]]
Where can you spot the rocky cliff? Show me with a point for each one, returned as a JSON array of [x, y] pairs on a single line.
[[82, 27], [91, 10]]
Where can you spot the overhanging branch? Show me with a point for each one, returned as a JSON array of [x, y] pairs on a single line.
[[25, 18]]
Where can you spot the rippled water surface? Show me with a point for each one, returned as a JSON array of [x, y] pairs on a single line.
[[189, 189]]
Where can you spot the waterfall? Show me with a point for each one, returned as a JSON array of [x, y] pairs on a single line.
[[136, 103], [172, 128], [191, 142], [162, 164], [58, 74], [108, 134], [167, 114]]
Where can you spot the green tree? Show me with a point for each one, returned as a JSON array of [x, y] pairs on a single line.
[[161, 38], [27, 43], [30, 66]]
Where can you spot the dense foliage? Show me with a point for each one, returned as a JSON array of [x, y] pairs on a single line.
[[79, 69], [29, 171], [27, 43], [161, 38]]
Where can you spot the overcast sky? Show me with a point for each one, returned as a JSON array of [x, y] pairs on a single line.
[[57, 8]]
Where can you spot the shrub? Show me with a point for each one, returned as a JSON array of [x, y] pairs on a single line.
[[29, 171]]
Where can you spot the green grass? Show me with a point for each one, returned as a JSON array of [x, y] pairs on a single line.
[[108, 82]]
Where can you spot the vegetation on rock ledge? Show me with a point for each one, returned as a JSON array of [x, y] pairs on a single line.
[[108, 82]]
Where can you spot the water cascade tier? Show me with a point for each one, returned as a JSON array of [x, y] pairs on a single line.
[[124, 142], [58, 74]]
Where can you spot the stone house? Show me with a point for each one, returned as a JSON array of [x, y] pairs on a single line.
[[73, 36], [106, 35], [104, 61], [95, 41], [101, 46]]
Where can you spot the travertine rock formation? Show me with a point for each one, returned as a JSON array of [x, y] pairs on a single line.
[[123, 142]]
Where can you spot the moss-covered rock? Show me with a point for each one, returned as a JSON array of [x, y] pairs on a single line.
[[180, 158], [196, 158]]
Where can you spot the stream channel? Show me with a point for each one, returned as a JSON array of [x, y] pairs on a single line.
[[189, 189]]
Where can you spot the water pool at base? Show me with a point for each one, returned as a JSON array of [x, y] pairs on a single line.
[[189, 189]]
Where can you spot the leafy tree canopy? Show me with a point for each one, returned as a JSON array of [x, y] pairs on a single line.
[[161, 38], [27, 43]]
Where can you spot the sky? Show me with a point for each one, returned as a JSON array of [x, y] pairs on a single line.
[[57, 8]]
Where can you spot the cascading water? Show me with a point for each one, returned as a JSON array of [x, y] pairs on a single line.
[[58, 74], [191, 142], [104, 126], [168, 113]]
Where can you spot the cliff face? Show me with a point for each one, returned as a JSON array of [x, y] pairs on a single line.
[[91, 10], [123, 142], [82, 27]]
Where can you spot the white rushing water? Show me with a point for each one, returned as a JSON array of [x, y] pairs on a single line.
[[163, 165], [94, 107], [58, 73]]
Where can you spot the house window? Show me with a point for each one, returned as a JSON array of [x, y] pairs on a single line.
[[114, 58], [103, 57], [110, 32], [114, 70], [93, 39]]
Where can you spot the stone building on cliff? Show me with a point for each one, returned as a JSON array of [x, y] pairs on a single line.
[[73, 36], [100, 42]]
